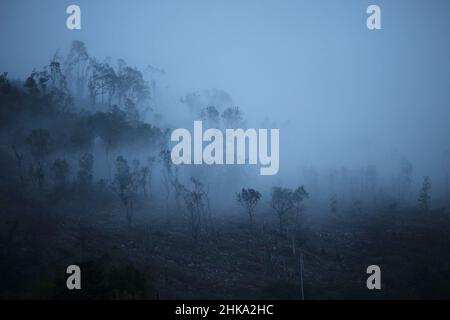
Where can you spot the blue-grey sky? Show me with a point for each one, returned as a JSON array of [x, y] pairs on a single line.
[[312, 66]]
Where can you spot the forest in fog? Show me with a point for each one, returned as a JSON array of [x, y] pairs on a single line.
[[87, 179]]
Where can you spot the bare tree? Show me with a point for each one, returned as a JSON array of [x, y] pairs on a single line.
[[124, 186], [281, 202], [424, 195], [197, 203], [103, 82], [249, 198], [77, 67], [298, 197]]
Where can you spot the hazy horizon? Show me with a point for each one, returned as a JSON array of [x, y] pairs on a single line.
[[342, 95]]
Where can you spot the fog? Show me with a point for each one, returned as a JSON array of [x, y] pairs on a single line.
[[363, 116], [340, 91]]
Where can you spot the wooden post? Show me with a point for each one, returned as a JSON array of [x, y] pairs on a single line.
[[302, 294]]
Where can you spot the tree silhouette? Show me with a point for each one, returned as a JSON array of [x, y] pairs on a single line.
[[424, 195], [282, 202], [232, 117], [124, 186], [248, 198], [298, 197], [197, 203], [77, 67]]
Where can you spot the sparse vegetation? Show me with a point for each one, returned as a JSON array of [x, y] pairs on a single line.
[[77, 157], [249, 198]]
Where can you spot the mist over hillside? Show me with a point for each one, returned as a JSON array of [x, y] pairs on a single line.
[[88, 176]]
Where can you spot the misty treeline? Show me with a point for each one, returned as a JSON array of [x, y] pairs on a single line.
[[85, 154], [80, 125], [75, 129]]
